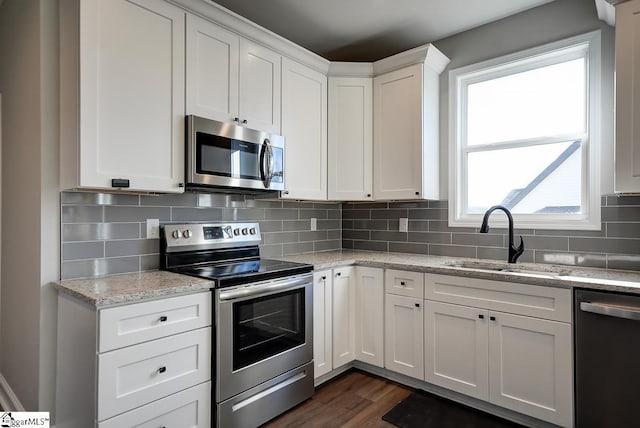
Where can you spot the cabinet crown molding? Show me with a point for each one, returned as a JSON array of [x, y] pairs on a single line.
[[222, 16], [351, 69], [427, 54]]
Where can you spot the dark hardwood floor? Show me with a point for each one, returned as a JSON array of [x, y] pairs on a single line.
[[354, 399]]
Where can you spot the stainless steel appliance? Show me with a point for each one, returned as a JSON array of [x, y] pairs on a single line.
[[232, 156], [263, 342], [607, 352]]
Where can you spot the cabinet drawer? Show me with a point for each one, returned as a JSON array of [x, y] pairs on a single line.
[[186, 409], [131, 324], [136, 375], [404, 283], [532, 300]]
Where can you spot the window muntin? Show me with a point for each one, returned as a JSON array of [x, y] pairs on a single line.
[[524, 136]]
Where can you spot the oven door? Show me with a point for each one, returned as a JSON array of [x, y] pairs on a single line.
[[263, 330]]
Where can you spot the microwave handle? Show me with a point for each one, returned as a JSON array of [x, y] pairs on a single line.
[[266, 151]]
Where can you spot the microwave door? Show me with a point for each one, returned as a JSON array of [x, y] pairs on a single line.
[[266, 157]]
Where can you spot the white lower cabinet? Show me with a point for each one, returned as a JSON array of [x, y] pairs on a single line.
[[520, 362], [404, 335], [530, 368], [456, 348], [145, 364], [322, 322], [190, 408], [369, 307], [404, 328], [343, 316]]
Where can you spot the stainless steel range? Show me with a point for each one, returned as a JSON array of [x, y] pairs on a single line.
[[263, 313]]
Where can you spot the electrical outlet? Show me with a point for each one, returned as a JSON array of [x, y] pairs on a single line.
[[314, 223], [404, 225], [153, 228]]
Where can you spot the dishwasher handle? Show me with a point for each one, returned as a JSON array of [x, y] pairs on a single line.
[[627, 312]]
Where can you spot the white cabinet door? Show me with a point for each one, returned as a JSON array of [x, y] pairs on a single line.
[[369, 313], [132, 94], [212, 70], [322, 322], [456, 349], [259, 97], [230, 78], [404, 335], [397, 138], [627, 175], [343, 316], [350, 138], [530, 367], [304, 127]]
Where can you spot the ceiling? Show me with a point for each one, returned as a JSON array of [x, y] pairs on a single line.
[[368, 30]]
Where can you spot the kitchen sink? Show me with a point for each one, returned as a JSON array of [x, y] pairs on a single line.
[[548, 271]]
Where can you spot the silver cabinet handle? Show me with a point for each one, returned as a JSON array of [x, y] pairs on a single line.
[[626, 312]]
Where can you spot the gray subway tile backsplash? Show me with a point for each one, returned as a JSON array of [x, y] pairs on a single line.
[[615, 246], [106, 234]]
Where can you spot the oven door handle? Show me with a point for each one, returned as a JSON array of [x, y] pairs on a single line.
[[265, 288]]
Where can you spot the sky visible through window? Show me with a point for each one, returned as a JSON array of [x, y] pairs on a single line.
[[517, 110]]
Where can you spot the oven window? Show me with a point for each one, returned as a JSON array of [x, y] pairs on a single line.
[[267, 326]]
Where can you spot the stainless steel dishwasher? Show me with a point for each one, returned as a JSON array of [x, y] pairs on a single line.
[[607, 359]]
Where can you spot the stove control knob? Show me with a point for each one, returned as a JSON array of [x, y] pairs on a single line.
[[175, 234], [252, 231], [236, 232], [187, 233], [244, 231]]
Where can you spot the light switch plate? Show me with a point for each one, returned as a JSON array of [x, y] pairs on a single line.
[[404, 225], [153, 228]]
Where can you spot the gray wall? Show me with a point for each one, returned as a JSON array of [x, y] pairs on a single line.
[[30, 211], [553, 21], [374, 226], [106, 233]]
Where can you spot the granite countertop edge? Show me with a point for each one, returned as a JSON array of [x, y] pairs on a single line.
[[135, 287], [131, 287], [568, 276]]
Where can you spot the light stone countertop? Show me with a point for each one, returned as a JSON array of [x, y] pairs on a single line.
[[131, 287], [538, 274]]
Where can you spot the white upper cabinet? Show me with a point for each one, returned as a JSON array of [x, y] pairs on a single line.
[[304, 127], [122, 95], [350, 138], [627, 158], [405, 132], [230, 78], [260, 94]]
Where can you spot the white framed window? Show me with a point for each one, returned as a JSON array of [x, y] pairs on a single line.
[[525, 134]]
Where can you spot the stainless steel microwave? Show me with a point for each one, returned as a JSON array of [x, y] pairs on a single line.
[[228, 155]]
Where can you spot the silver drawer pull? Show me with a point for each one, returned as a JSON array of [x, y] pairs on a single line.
[[627, 312]]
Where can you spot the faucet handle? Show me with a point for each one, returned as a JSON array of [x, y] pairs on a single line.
[[517, 252]]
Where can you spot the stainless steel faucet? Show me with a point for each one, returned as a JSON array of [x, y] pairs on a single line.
[[514, 252]]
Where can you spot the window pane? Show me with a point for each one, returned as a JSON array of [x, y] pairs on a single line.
[[543, 179], [542, 102]]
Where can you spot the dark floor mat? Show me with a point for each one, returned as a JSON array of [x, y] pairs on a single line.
[[424, 410]]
